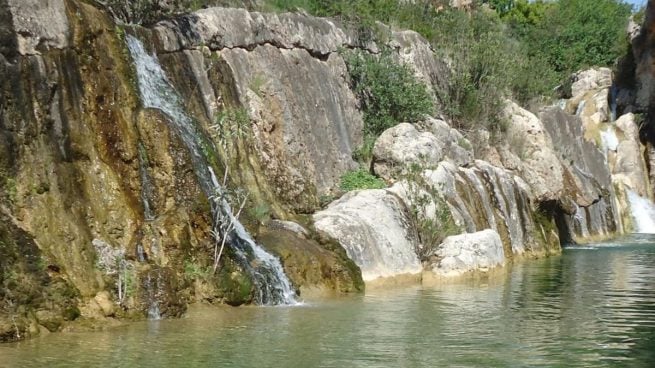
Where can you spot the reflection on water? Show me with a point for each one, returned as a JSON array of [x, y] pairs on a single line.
[[591, 307]]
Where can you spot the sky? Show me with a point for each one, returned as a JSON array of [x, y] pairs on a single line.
[[636, 2]]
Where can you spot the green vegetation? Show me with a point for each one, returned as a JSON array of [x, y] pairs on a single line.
[[429, 212], [360, 179], [231, 124], [569, 34], [388, 91], [193, 271], [522, 50]]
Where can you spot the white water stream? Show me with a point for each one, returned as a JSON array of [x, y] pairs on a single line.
[[271, 284], [643, 213]]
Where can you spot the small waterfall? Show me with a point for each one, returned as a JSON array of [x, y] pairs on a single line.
[[613, 96], [153, 288], [580, 108], [609, 140], [272, 285], [146, 185], [643, 213]]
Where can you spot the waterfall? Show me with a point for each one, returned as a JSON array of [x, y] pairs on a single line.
[[643, 213], [609, 140], [271, 284], [613, 96]]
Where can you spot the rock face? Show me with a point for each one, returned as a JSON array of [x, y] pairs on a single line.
[[376, 231], [108, 218], [30, 27], [588, 180], [469, 252], [531, 143], [304, 137]]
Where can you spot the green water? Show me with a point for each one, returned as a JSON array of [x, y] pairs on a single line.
[[591, 307]]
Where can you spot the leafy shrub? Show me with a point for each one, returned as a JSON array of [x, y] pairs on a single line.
[[388, 91], [360, 179]]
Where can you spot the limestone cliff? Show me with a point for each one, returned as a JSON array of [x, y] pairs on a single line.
[[109, 211]]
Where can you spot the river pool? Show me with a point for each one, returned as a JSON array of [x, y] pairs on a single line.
[[594, 306]]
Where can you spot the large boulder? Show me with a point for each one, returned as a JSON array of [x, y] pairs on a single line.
[[531, 143], [400, 147], [376, 231], [463, 253], [424, 144], [589, 80]]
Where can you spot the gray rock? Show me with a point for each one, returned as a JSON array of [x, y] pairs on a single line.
[[306, 121], [416, 52], [29, 27], [220, 28], [463, 253], [400, 147], [290, 226], [457, 148], [591, 79], [375, 229], [531, 143]]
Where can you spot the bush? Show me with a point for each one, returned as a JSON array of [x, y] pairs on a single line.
[[569, 34], [360, 179], [388, 91]]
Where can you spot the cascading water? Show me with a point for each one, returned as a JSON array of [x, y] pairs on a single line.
[[271, 284], [643, 213], [609, 140]]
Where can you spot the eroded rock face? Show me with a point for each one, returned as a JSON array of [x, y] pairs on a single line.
[[588, 182], [305, 136], [480, 251], [376, 231], [220, 28]]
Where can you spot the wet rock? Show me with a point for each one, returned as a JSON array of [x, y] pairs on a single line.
[[104, 301], [291, 226], [311, 267], [480, 251], [375, 229]]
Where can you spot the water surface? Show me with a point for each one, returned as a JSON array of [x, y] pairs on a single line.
[[592, 307]]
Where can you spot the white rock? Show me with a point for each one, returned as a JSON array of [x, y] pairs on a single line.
[[463, 253], [587, 80], [403, 145], [375, 230], [541, 167]]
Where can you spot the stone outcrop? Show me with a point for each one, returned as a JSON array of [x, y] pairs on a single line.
[[459, 254], [529, 141], [376, 231], [423, 145]]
